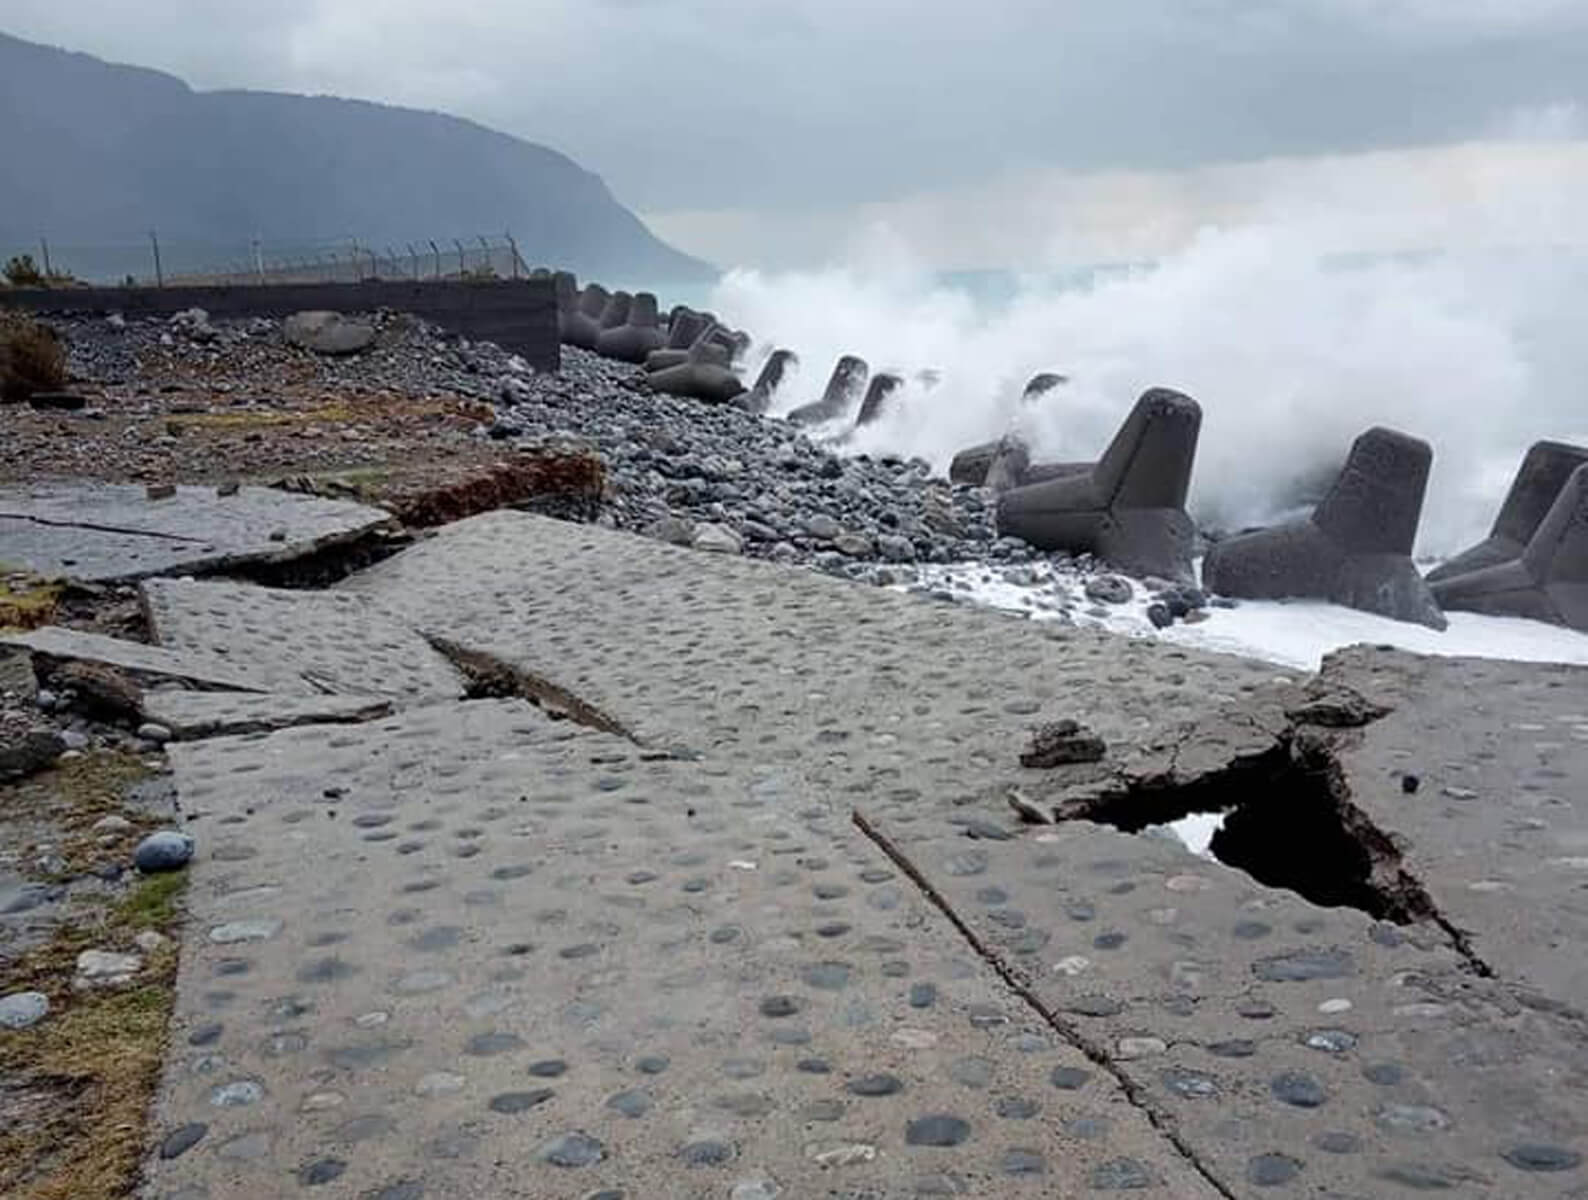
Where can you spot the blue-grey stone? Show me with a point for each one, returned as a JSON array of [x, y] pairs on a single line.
[[163, 851]]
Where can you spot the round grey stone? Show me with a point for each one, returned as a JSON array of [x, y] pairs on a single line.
[[1023, 1162], [1190, 1085], [827, 976], [632, 1104], [1069, 1079], [549, 1068], [922, 995], [182, 1139], [572, 1150], [1123, 1175], [511, 1103], [1383, 1074], [1302, 1091], [321, 1171], [653, 1064], [1335, 1142], [708, 1153], [1272, 1170], [780, 1006], [1535, 1156], [937, 1130], [163, 851], [23, 1010], [485, 1045], [1016, 1108], [875, 1085]]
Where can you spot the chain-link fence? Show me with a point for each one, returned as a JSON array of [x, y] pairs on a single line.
[[153, 261]]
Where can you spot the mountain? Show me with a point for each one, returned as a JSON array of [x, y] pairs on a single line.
[[95, 154]]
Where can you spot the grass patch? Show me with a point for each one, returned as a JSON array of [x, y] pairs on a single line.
[[72, 795], [76, 1090], [26, 602]]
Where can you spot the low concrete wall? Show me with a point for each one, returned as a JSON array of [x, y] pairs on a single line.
[[519, 315]]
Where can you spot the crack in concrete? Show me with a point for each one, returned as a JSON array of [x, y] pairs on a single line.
[[97, 528], [491, 676], [1161, 1122]]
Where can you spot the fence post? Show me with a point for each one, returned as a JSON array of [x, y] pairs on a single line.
[[44, 244], [512, 248], [159, 274], [437, 251], [463, 267]]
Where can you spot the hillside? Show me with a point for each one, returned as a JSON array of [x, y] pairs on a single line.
[[96, 153]]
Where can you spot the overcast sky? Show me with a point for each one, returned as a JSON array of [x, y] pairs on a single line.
[[774, 128]]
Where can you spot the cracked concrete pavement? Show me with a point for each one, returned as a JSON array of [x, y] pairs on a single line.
[[788, 939]]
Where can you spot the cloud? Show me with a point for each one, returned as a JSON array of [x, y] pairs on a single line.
[[812, 104], [1531, 189]]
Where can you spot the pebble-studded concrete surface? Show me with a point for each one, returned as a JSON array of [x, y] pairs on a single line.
[[468, 950]]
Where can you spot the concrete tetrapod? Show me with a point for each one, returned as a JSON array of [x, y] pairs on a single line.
[[883, 385], [582, 326], [1128, 509], [972, 464], [844, 388], [1548, 581], [707, 344], [637, 336], [759, 398], [1540, 479], [703, 375], [1356, 547]]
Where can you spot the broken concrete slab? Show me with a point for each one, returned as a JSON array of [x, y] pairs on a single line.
[[100, 532], [143, 662], [335, 642], [1284, 1044], [1475, 772], [726, 653], [208, 714], [540, 956]]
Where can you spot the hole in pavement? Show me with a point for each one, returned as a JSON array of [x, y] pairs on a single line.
[[1287, 821]]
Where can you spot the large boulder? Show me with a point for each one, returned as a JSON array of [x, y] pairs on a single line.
[[702, 375], [1355, 549], [1548, 581], [637, 336], [327, 333], [1540, 479], [1128, 508], [843, 391], [759, 398]]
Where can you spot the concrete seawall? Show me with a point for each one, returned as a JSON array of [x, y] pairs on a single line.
[[518, 315]]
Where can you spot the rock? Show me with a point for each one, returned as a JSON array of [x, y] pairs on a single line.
[[163, 851], [104, 969], [100, 690], [1160, 615], [28, 751], [895, 548], [823, 527], [111, 824], [327, 333], [676, 530], [1060, 743], [718, 539], [150, 941], [1110, 589], [57, 401], [855, 545], [154, 732], [23, 1010]]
